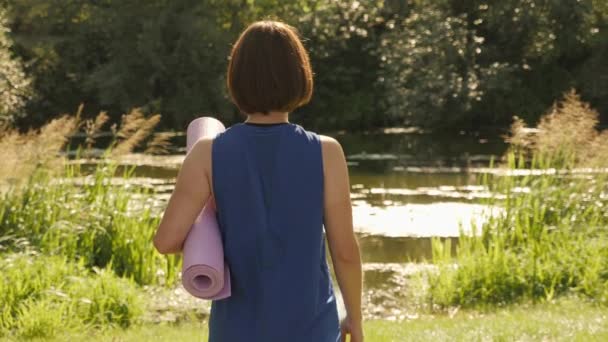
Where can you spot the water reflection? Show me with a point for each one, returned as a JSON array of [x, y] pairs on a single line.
[[417, 220], [403, 185], [405, 249], [405, 189]]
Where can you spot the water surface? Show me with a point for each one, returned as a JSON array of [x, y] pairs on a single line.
[[406, 188]]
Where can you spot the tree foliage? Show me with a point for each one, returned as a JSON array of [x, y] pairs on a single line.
[[14, 84], [432, 63], [474, 62]]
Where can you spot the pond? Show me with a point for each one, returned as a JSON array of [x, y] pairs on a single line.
[[406, 187]]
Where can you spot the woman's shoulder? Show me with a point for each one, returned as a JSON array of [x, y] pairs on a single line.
[[331, 148], [229, 135], [202, 147], [329, 143]]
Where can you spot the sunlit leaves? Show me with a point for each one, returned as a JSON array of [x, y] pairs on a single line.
[[432, 68], [14, 84], [436, 63]]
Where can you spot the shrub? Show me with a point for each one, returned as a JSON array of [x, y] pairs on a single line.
[[60, 209], [15, 87], [550, 237], [43, 295], [87, 218]]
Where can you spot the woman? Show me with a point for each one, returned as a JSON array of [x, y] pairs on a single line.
[[275, 186]]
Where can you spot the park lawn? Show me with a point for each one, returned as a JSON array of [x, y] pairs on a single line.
[[564, 320]]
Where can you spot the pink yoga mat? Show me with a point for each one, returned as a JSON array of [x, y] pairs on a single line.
[[204, 274]]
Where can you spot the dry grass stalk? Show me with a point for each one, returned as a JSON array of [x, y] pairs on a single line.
[[134, 129], [92, 127], [519, 139], [566, 135], [24, 153], [598, 151], [568, 130], [40, 149], [53, 137], [159, 144]]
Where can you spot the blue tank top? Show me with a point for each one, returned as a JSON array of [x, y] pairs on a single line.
[[268, 187]]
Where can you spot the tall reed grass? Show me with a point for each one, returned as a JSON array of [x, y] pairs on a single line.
[[86, 218], [551, 237], [42, 149], [36, 150], [74, 245]]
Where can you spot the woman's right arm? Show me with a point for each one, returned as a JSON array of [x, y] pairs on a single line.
[[343, 245]]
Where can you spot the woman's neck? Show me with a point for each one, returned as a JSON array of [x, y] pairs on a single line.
[[271, 117]]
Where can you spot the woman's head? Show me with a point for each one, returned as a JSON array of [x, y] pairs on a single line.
[[269, 69]]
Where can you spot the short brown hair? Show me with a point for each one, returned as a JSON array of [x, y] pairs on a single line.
[[269, 69]]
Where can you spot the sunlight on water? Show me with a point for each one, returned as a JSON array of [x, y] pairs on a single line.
[[406, 190], [420, 220]]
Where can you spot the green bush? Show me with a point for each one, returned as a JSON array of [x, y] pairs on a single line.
[[15, 88], [43, 295], [550, 235], [433, 63], [41, 318], [86, 218], [106, 300]]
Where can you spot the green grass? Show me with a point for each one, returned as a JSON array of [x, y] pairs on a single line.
[[551, 237], [87, 219], [568, 320], [549, 240], [76, 249], [72, 252], [47, 295], [564, 320]]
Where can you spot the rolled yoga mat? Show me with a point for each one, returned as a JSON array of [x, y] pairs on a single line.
[[204, 274]]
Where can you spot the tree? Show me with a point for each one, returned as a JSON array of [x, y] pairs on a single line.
[[434, 63], [471, 63], [14, 84]]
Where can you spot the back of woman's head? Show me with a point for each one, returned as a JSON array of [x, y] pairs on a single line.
[[269, 69]]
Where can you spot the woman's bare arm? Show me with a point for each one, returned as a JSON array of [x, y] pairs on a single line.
[[192, 190], [343, 245]]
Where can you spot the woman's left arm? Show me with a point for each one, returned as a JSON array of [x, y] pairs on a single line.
[[192, 190]]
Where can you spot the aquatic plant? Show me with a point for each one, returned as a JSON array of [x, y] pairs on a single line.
[[59, 209], [85, 217], [41, 150], [24, 153], [566, 137], [551, 238], [74, 245]]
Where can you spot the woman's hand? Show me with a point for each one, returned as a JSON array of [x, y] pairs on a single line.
[[354, 329]]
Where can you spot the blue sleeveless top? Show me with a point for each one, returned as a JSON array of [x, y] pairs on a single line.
[[268, 187]]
